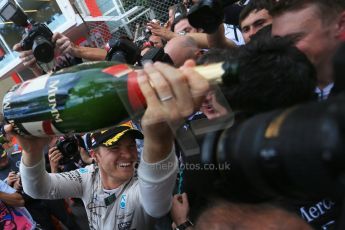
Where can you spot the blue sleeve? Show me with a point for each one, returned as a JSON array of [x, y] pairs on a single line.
[[6, 188]]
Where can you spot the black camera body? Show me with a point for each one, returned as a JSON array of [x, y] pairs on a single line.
[[140, 41], [155, 54], [38, 38], [69, 148], [123, 50], [208, 14], [37, 35]]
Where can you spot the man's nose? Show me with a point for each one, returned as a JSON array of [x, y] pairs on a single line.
[[125, 152], [251, 32]]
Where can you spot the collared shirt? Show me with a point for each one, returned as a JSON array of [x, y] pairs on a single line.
[[324, 93]]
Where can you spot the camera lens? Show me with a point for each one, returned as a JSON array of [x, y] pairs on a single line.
[[70, 147], [207, 15], [43, 49], [119, 56]]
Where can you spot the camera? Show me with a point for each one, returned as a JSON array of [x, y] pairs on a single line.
[[69, 148], [296, 153], [38, 38], [208, 14], [155, 54], [37, 35], [145, 35], [125, 51]]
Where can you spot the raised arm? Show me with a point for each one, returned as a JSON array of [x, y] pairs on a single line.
[[37, 182], [219, 40], [215, 40], [64, 45], [171, 95]]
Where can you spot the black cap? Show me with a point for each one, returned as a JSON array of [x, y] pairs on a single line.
[[109, 137]]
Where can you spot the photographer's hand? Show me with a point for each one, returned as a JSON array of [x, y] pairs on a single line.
[[18, 184], [160, 31], [62, 43], [54, 156], [28, 59], [32, 146], [11, 178]]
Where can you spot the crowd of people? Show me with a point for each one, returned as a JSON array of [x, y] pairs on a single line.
[[135, 175]]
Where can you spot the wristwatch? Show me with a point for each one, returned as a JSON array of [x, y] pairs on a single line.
[[185, 225]]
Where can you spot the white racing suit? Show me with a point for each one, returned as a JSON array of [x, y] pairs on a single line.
[[131, 206]]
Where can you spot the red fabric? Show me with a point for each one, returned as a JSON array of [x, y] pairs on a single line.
[[93, 8], [16, 78]]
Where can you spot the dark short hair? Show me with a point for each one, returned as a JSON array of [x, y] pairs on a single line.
[[271, 74], [215, 55], [327, 8], [254, 5], [177, 20]]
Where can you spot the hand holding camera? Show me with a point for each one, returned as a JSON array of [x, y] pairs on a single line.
[[18, 183], [37, 37], [55, 157], [12, 178], [62, 43], [26, 56], [69, 148]]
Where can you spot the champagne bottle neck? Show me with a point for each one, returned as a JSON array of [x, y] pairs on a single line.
[[219, 72]]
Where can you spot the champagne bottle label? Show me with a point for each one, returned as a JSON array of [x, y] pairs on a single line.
[[47, 95], [80, 99], [134, 98]]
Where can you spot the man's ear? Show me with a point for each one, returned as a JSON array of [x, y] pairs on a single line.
[[340, 27], [95, 155]]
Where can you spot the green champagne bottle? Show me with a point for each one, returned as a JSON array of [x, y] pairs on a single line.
[[83, 98]]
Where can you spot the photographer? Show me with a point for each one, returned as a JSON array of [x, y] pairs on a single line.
[[67, 54], [66, 153]]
